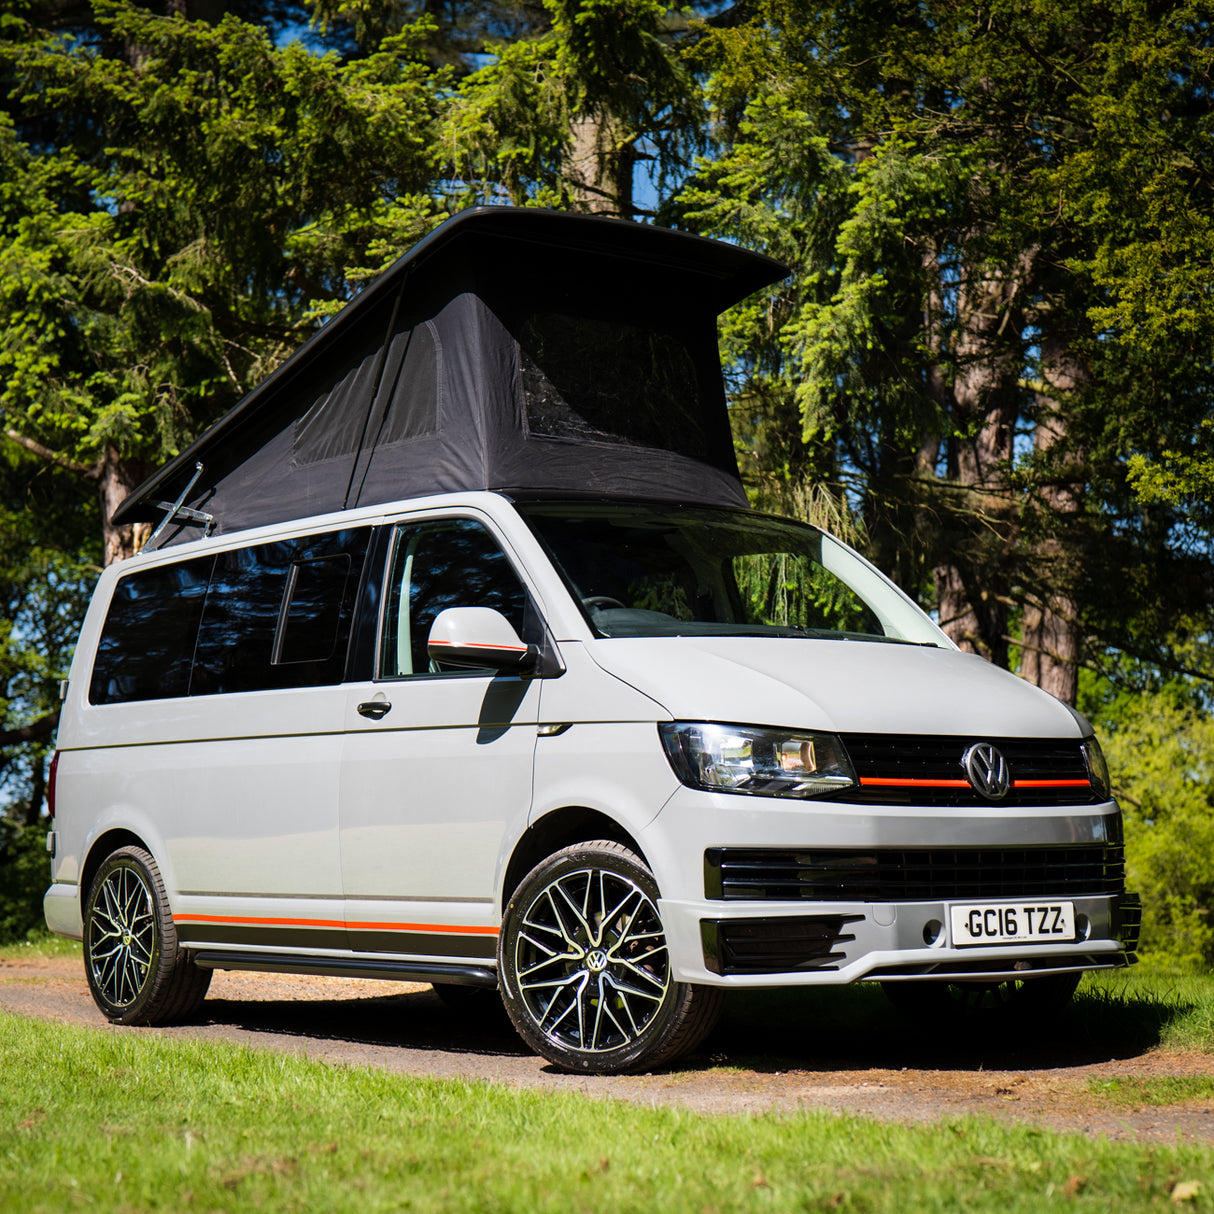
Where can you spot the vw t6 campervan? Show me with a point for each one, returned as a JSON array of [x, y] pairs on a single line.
[[458, 656]]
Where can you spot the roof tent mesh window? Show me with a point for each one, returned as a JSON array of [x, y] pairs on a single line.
[[600, 380], [333, 425], [411, 378], [147, 643]]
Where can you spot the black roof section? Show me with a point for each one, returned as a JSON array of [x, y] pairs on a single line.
[[452, 301]]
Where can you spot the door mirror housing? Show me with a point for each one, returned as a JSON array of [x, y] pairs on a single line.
[[476, 638]]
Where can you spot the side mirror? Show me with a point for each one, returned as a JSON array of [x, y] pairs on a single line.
[[477, 638]]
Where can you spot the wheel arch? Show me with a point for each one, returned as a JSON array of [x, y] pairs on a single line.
[[561, 828], [105, 845]]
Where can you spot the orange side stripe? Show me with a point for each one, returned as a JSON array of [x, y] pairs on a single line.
[[250, 921], [452, 928], [260, 922]]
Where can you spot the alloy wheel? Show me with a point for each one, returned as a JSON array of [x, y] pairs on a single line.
[[122, 936], [591, 960]]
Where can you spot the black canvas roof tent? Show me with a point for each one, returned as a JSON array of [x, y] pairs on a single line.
[[511, 349]]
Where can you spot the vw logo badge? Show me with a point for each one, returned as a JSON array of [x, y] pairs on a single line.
[[986, 769]]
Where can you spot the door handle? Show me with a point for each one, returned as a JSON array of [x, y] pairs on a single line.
[[375, 709]]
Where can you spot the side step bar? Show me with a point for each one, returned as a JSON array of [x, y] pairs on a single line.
[[348, 967]]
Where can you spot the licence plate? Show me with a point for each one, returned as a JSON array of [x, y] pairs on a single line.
[[1003, 922]]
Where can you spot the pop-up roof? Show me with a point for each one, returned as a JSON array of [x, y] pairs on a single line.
[[510, 349]]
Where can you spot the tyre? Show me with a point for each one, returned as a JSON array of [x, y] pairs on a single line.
[[584, 967], [1011, 1002], [135, 969]]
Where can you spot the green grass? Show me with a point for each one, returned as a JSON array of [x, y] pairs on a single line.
[[1147, 1008], [1154, 1092], [135, 1122], [44, 944]]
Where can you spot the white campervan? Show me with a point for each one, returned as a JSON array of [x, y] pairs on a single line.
[[457, 656]]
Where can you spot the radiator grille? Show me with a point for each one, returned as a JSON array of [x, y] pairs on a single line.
[[926, 770], [912, 874]]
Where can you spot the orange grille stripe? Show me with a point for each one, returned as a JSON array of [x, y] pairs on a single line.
[[891, 782], [1051, 784], [894, 782]]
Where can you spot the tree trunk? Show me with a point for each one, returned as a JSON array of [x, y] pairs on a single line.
[[1050, 657], [116, 478], [977, 528], [33, 808], [1051, 630], [600, 166]]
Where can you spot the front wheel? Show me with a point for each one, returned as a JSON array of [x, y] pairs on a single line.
[[136, 972], [584, 967]]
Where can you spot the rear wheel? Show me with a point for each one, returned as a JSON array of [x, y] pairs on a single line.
[[585, 971], [974, 1003], [136, 972]]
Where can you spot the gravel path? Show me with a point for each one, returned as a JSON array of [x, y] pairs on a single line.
[[872, 1065]]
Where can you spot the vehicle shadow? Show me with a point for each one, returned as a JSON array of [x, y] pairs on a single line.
[[417, 1020], [822, 1030], [856, 1028]]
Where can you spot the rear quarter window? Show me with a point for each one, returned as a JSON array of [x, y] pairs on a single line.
[[147, 645], [258, 618]]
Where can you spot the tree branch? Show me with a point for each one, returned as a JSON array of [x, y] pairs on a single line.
[[90, 472], [34, 732]]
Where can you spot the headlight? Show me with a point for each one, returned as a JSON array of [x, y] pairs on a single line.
[[758, 762], [1098, 769]]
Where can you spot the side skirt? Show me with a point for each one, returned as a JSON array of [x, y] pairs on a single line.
[[348, 967]]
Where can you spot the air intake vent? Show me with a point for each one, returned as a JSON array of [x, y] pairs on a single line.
[[912, 874], [775, 946]]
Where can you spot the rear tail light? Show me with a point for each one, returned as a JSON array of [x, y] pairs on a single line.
[[50, 785]]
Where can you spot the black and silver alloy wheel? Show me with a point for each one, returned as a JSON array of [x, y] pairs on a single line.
[[585, 969], [123, 940], [135, 970], [591, 961]]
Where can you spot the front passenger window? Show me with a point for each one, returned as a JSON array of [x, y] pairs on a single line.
[[450, 563]]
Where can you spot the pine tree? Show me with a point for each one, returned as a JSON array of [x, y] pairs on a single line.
[[171, 215], [947, 347]]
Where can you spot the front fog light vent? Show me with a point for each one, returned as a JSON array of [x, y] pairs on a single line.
[[775, 945]]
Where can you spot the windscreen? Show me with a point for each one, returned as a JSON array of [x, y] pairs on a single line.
[[649, 570]]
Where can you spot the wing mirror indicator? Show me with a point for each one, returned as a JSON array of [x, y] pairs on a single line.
[[478, 638]]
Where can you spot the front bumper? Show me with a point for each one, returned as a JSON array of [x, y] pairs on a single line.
[[882, 912], [762, 945]]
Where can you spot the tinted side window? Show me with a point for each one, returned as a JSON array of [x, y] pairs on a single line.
[[452, 563], [278, 615], [311, 609], [147, 642]]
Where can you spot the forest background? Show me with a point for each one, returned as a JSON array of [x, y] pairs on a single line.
[[990, 368]]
